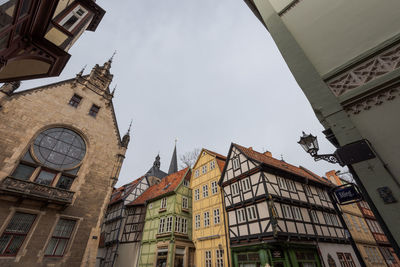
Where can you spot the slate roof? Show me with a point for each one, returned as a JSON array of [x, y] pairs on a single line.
[[282, 165], [173, 166], [166, 185]]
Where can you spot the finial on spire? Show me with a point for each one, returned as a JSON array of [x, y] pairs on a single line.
[[82, 70], [130, 125], [113, 91], [112, 57]]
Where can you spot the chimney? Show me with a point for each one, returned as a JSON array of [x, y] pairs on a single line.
[[267, 153]]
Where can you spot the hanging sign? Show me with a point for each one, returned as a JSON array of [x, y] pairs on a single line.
[[347, 194]]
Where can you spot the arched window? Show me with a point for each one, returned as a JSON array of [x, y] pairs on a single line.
[[53, 159]]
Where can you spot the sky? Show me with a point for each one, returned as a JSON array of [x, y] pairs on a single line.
[[206, 73]]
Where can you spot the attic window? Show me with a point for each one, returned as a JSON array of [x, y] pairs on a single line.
[[186, 183]]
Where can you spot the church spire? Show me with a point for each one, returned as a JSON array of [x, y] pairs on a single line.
[[173, 166]]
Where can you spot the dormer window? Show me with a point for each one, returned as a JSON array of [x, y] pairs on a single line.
[[73, 18], [75, 100], [94, 110], [163, 203]]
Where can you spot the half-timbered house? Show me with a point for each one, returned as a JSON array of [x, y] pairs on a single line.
[[167, 233], [120, 239], [209, 228], [280, 214]]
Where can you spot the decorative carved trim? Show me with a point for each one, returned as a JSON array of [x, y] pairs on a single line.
[[384, 62], [373, 100], [36, 191]]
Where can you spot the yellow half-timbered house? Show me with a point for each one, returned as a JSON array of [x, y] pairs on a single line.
[[209, 232]]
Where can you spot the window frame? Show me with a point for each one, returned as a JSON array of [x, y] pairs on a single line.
[[197, 194], [58, 22], [204, 169], [74, 100], [246, 184], [185, 200], [12, 233], [163, 204], [61, 238], [214, 187], [212, 165], [217, 217], [251, 213], [197, 221], [235, 163], [282, 183], [206, 219], [93, 112], [208, 258], [235, 189], [205, 192]]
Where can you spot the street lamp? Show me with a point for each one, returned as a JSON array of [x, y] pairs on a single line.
[[310, 144]]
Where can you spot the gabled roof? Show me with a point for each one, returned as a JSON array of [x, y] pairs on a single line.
[[118, 194], [220, 158], [280, 164], [167, 185]]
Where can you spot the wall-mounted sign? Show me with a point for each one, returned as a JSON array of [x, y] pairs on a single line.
[[386, 194], [347, 194]]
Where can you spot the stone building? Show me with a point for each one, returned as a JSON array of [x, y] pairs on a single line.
[[61, 154], [280, 215], [344, 56]]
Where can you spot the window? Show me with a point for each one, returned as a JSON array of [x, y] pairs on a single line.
[[235, 163], [246, 184], [161, 226], [169, 224], [219, 258], [212, 165], [208, 258], [214, 187], [307, 190], [186, 183], [374, 226], [241, 215], [73, 18], [346, 220], [178, 224], [216, 216], [327, 218], [60, 238], [185, 203], [251, 213], [291, 186], [205, 190], [94, 110], [334, 220], [297, 213], [75, 100], [183, 225], [163, 203], [204, 169], [196, 173], [321, 194], [363, 226], [355, 224], [58, 152], [14, 235], [235, 189], [282, 183], [197, 194], [197, 221], [314, 216], [287, 212], [206, 219]]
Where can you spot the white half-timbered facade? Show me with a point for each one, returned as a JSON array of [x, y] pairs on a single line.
[[270, 203], [123, 224]]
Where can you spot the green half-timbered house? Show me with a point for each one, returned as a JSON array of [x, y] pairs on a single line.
[[167, 231]]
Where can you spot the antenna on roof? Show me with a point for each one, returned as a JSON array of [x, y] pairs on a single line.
[[282, 158]]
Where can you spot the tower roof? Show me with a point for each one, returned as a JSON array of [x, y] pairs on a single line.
[[173, 166], [155, 169]]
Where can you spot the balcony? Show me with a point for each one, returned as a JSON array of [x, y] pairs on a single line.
[[31, 190]]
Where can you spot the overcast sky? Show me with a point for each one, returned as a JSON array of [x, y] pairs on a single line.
[[205, 72]]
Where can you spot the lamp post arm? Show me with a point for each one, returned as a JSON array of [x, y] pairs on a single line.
[[327, 157]]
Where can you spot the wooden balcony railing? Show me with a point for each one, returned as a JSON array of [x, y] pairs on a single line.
[[36, 191]]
